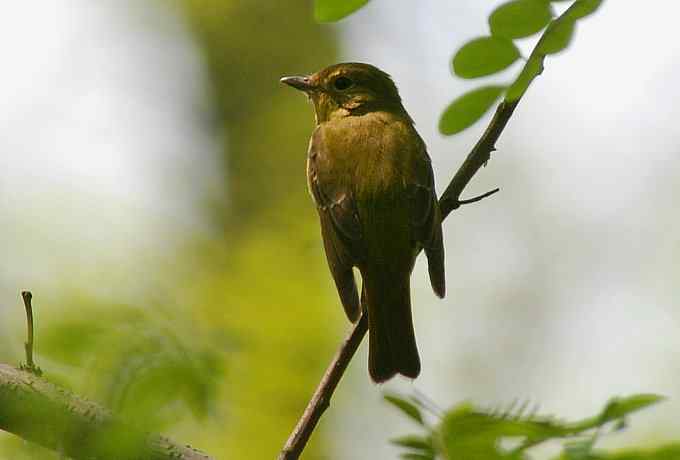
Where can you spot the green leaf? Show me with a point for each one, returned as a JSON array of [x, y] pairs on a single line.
[[531, 70], [583, 8], [334, 10], [520, 18], [468, 433], [406, 407], [468, 108], [415, 456], [484, 56], [578, 450], [667, 452], [557, 37], [618, 408], [414, 442]]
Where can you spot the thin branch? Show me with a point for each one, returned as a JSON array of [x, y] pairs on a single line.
[[28, 345], [45, 414], [449, 201]]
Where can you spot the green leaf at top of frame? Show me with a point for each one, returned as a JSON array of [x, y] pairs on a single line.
[[464, 111], [334, 10], [520, 18], [557, 36], [484, 56], [583, 8]]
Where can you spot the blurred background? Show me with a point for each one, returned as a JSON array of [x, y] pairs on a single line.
[[153, 198]]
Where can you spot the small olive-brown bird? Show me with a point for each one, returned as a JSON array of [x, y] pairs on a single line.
[[370, 176]]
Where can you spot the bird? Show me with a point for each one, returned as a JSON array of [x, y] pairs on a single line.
[[371, 178]]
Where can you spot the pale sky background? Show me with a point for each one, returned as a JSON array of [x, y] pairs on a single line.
[[562, 288], [103, 154]]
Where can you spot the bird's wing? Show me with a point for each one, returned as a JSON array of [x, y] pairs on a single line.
[[426, 217], [339, 224]]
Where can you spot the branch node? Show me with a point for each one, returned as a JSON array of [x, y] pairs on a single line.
[[478, 198]]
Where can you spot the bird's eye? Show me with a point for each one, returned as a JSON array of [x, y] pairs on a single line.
[[342, 83]]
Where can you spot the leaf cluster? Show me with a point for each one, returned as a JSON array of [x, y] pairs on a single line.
[[473, 433], [495, 52]]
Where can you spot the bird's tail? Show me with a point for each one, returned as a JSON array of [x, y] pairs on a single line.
[[392, 344]]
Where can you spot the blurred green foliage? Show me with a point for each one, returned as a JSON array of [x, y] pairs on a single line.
[[227, 354], [265, 281], [472, 433]]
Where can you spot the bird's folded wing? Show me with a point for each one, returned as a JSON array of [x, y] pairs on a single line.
[[426, 219], [340, 229]]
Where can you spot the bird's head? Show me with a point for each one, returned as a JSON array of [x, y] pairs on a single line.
[[348, 89]]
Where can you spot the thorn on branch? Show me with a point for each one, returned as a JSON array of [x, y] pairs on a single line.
[[478, 198], [28, 345]]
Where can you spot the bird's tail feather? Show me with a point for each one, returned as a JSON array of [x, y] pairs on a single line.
[[392, 344]]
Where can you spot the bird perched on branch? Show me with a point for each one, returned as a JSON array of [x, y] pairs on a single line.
[[370, 176]]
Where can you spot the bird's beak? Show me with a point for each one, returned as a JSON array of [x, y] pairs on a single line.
[[301, 83]]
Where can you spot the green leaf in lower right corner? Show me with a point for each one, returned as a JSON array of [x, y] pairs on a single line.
[[406, 407], [583, 8], [464, 111], [415, 456], [618, 408], [334, 10], [418, 443]]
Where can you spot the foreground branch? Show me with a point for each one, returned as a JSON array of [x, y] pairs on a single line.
[[45, 414], [449, 201]]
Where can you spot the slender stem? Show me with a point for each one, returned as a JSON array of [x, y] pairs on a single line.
[[28, 345]]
